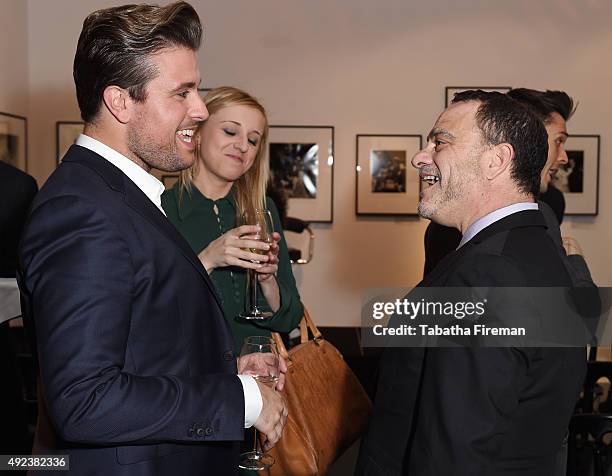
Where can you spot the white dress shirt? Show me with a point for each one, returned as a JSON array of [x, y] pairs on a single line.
[[146, 182], [492, 217], [153, 189]]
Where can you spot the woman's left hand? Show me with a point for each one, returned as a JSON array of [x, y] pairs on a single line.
[[271, 266]]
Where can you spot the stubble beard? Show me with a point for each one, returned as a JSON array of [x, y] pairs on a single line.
[[437, 202], [452, 195], [147, 147], [426, 210]]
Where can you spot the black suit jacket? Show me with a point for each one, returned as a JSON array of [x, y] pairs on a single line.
[[479, 411], [555, 199], [136, 367], [17, 190]]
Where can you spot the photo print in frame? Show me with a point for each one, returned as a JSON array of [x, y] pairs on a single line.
[[386, 182], [14, 140], [301, 162]]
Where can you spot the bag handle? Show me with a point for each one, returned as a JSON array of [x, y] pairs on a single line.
[[308, 323], [305, 324]]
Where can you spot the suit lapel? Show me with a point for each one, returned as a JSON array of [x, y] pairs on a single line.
[[140, 203]]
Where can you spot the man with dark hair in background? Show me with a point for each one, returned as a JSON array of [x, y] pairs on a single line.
[[137, 374], [473, 411], [554, 108]]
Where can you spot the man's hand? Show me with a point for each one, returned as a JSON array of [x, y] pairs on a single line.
[[273, 415], [263, 364], [282, 366]]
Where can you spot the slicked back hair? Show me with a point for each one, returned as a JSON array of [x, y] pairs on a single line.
[[544, 103], [116, 44], [502, 119]]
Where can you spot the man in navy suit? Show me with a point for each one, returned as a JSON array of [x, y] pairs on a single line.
[[137, 374]]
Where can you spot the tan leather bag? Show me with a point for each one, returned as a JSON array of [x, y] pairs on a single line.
[[328, 407]]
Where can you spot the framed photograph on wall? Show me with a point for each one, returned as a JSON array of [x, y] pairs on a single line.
[[301, 162], [452, 90], [579, 178], [66, 133], [14, 140], [386, 182]]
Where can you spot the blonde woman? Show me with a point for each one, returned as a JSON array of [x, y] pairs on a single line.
[[229, 177]]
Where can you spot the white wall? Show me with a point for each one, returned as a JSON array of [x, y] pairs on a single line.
[[365, 67], [13, 57]]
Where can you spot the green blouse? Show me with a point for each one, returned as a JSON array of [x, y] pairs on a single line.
[[197, 221]]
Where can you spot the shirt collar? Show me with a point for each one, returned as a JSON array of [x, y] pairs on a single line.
[[190, 200], [492, 217], [146, 182]]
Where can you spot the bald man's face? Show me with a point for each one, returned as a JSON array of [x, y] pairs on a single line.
[[449, 165]]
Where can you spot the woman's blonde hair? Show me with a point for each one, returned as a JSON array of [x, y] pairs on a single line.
[[249, 188]]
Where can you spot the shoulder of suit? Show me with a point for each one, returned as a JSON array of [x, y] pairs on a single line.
[[486, 268], [10, 174], [549, 215], [83, 165]]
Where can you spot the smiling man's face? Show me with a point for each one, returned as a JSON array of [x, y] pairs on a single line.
[[160, 133], [557, 135], [450, 165]]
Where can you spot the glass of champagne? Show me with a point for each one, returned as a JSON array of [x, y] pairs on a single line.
[[263, 218], [259, 358]]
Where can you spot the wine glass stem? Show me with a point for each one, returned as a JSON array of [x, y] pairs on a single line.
[[253, 281], [255, 440]]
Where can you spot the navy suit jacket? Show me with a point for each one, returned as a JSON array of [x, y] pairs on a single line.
[[479, 411], [136, 369]]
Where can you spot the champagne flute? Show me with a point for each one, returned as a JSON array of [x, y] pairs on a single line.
[[263, 218], [259, 358]]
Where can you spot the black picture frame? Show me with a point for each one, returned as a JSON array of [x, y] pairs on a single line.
[[377, 195], [450, 91], [14, 140], [309, 183]]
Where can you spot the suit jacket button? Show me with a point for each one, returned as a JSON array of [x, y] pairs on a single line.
[[209, 431], [227, 356], [200, 432]]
